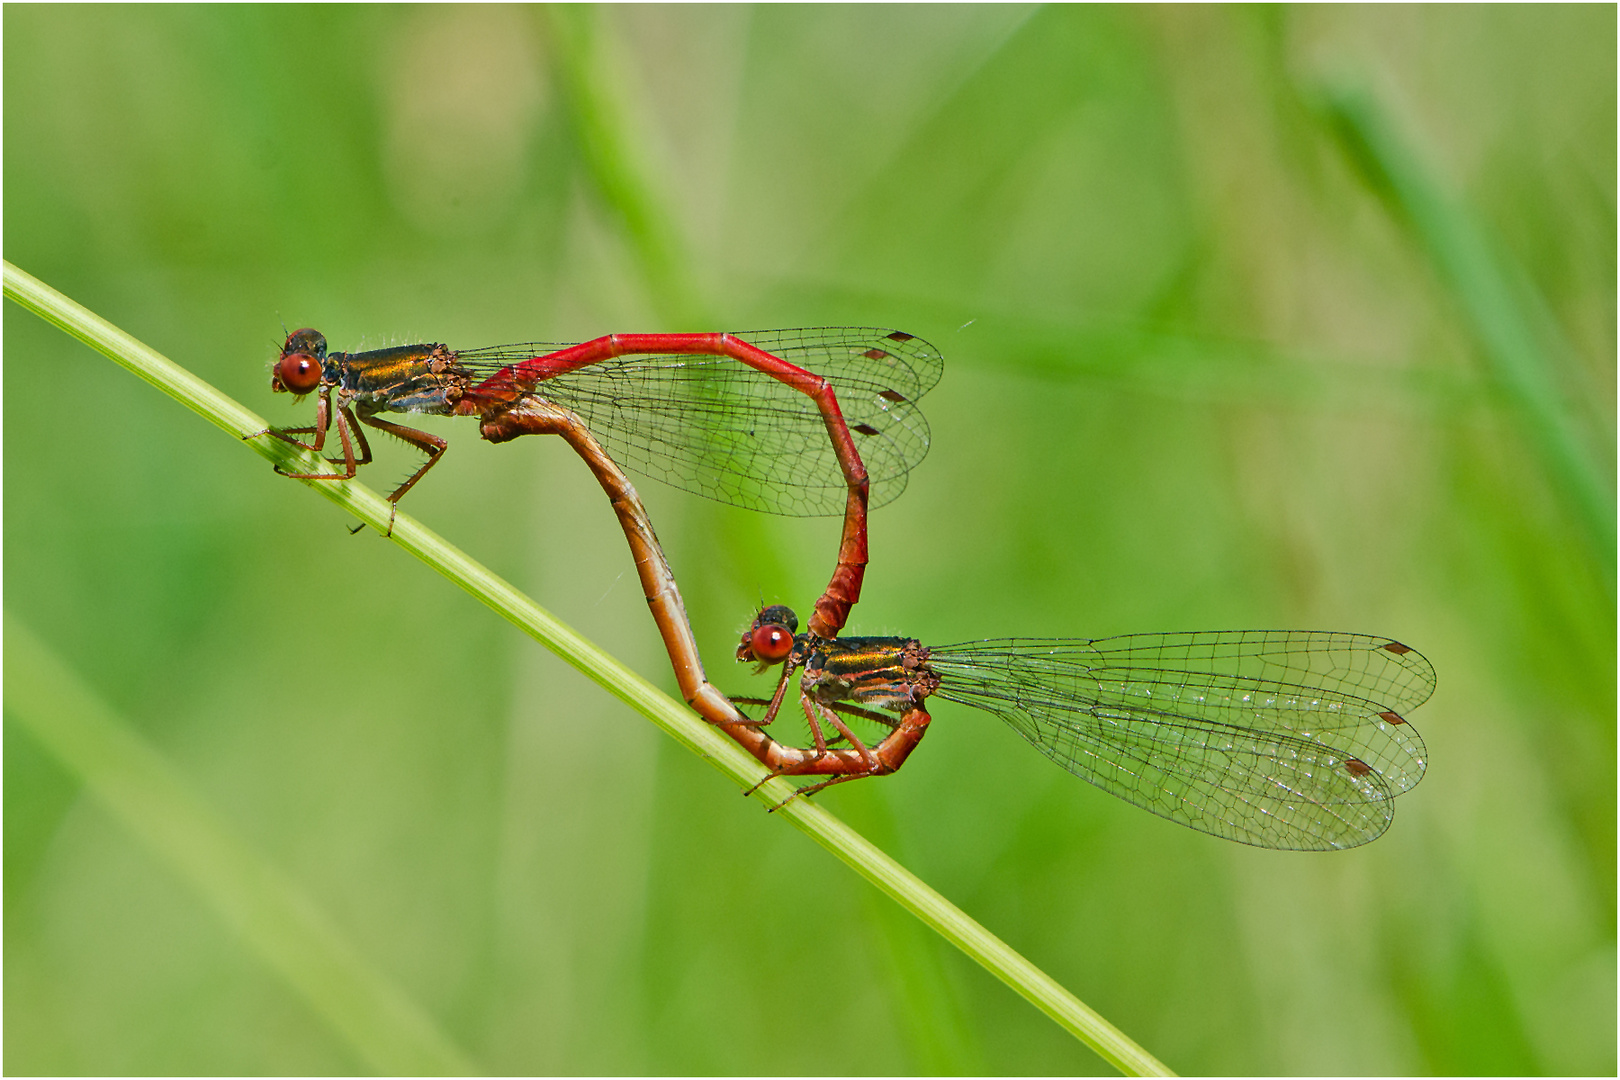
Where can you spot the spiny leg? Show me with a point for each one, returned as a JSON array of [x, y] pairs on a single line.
[[323, 405], [344, 425], [425, 441]]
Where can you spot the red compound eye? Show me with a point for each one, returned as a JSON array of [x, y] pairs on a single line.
[[771, 643], [299, 373]]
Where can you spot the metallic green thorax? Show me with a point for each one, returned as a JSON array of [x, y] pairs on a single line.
[[407, 378], [884, 672]]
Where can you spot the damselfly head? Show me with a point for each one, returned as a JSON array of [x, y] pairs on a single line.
[[298, 368], [769, 638]]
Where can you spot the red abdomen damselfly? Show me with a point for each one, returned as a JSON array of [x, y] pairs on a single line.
[[813, 421]]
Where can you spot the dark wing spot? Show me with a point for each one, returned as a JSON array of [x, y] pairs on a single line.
[[892, 395], [1389, 717], [900, 335], [876, 354], [1397, 648], [865, 429], [1356, 767]]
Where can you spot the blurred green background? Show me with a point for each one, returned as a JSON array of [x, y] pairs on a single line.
[[1252, 318]]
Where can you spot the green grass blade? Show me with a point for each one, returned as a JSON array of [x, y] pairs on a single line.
[[1495, 300], [277, 921], [671, 716], [584, 73]]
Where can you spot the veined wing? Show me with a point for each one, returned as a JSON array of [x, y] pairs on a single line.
[[713, 426], [1365, 666], [1351, 690], [1281, 739]]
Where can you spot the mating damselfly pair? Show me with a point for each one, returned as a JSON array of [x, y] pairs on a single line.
[[1281, 739]]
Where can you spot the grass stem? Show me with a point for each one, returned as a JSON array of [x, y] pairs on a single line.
[[671, 716]]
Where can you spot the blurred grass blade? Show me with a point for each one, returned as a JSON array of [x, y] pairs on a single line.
[[288, 932], [673, 717], [1495, 298], [601, 130]]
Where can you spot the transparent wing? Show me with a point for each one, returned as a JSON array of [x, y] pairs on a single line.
[[1283, 739], [715, 427]]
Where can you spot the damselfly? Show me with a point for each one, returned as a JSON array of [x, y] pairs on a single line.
[[788, 421], [1281, 739]]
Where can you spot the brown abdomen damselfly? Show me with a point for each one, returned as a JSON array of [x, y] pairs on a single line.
[[1281, 739]]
